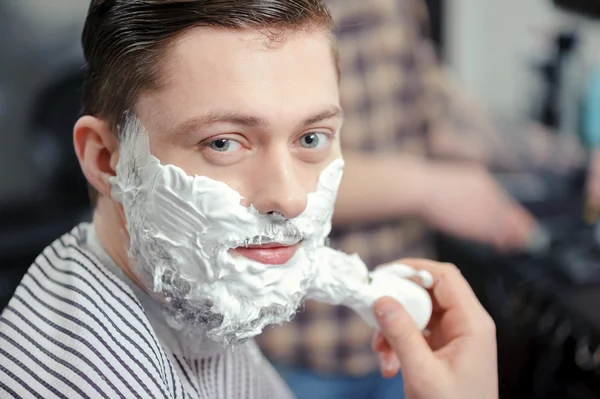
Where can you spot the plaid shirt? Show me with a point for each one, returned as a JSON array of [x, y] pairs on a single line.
[[396, 98]]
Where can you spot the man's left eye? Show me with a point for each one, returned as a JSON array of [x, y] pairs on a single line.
[[314, 140]]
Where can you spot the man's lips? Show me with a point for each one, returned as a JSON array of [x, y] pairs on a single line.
[[268, 254]]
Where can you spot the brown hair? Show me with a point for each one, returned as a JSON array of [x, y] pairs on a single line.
[[125, 41]]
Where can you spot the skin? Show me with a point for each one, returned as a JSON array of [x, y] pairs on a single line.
[[457, 358], [229, 90], [593, 186], [462, 200]]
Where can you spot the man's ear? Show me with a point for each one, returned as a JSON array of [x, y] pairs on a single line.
[[97, 149]]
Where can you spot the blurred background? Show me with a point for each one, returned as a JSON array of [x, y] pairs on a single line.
[[534, 60]]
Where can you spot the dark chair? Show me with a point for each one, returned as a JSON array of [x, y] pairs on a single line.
[[61, 201]]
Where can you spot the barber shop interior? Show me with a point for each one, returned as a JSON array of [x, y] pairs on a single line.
[[469, 136]]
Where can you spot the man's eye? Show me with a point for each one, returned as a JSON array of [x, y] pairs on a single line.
[[224, 145], [314, 140]]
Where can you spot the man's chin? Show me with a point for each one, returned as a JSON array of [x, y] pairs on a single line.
[[232, 331], [220, 314]]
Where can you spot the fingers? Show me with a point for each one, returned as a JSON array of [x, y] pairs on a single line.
[[593, 193], [517, 228], [402, 335], [379, 343], [389, 363], [510, 225], [388, 360], [450, 290], [453, 297], [592, 208]]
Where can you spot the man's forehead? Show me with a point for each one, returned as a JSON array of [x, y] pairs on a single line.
[[209, 79], [209, 55]]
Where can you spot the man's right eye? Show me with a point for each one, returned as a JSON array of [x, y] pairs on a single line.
[[224, 145]]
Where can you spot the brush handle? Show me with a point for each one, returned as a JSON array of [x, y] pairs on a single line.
[[392, 281]]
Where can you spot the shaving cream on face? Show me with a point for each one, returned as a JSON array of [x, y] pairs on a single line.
[[182, 228]]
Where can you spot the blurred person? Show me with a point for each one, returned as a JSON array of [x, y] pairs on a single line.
[[213, 188], [417, 154]]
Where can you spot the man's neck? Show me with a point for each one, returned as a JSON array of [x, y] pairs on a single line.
[[109, 224]]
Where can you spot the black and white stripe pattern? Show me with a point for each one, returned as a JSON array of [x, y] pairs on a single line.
[[75, 330]]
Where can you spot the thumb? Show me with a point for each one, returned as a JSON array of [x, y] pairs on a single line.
[[401, 333]]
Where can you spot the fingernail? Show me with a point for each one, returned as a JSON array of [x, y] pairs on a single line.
[[383, 365], [393, 364], [386, 311], [390, 366]]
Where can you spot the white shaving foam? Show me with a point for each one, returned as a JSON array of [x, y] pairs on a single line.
[[182, 227], [181, 230]]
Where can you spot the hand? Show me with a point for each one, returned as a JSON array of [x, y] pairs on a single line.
[[457, 359], [593, 187], [465, 201]]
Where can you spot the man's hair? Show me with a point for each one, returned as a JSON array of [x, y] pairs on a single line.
[[125, 41]]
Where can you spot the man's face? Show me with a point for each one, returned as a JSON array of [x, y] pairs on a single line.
[[261, 119]]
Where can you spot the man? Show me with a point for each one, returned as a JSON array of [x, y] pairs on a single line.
[[415, 151], [210, 137]]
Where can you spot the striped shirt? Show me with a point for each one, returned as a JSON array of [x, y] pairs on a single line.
[[77, 328]]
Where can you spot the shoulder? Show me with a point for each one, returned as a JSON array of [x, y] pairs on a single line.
[[69, 277], [75, 323]]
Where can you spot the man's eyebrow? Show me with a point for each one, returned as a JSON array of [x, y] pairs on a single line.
[[219, 117], [329, 113], [249, 121]]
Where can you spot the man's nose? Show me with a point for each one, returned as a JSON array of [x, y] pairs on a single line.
[[279, 190]]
